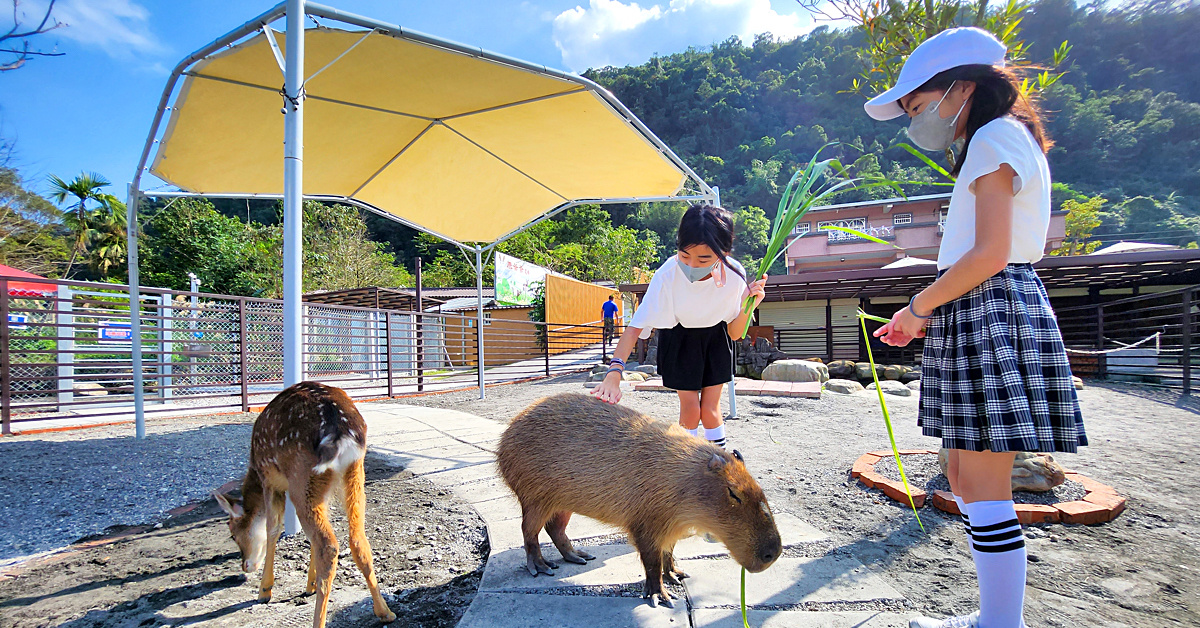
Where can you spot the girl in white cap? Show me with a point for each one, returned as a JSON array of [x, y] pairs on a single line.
[[995, 377]]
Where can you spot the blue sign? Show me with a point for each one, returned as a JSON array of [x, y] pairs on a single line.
[[114, 332], [17, 321]]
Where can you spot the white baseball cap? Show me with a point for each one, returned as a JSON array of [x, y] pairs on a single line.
[[948, 49]]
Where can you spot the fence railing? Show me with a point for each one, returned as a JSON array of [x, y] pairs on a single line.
[[65, 352]]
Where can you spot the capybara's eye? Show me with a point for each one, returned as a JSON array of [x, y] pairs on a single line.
[[734, 496]]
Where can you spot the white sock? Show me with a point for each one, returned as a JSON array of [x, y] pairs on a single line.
[[716, 435], [694, 432], [998, 546], [962, 508]]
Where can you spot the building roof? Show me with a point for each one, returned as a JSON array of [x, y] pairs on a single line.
[[26, 288], [402, 299], [886, 201], [908, 262], [1132, 247], [1120, 270], [459, 304]]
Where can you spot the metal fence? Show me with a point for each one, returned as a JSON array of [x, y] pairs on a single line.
[[65, 354]]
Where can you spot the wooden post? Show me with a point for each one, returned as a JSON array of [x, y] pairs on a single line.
[[546, 347], [5, 362], [1187, 342], [829, 329], [242, 355], [1101, 362]]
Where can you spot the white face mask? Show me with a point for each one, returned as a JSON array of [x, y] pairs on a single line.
[[930, 131]]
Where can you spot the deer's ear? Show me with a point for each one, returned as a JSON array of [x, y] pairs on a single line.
[[231, 508]]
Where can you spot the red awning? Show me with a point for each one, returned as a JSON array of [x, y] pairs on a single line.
[[26, 288]]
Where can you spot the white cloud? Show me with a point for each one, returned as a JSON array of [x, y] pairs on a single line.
[[118, 27], [611, 32]]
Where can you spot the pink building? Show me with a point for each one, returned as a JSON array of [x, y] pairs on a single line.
[[914, 224]]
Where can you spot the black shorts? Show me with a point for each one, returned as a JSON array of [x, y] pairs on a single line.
[[692, 358]]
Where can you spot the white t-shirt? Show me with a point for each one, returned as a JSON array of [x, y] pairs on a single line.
[[1004, 140], [673, 300]]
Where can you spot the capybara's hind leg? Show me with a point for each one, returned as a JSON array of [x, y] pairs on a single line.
[[355, 498], [557, 529], [671, 573], [532, 520], [652, 559]]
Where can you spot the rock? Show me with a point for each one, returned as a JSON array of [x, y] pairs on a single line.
[[843, 386], [632, 365], [599, 369], [910, 376], [1031, 471], [634, 376], [648, 369], [754, 358], [914, 385], [796, 371], [892, 388], [817, 360], [862, 370], [841, 369], [1078, 382], [89, 389], [892, 373], [739, 370]]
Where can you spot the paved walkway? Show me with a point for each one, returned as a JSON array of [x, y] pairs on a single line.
[[454, 450]]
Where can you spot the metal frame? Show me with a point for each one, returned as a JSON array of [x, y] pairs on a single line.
[[294, 11]]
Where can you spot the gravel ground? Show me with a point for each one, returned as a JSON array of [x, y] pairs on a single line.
[[923, 471], [1138, 571]]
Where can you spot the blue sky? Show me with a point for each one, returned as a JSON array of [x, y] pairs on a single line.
[[91, 108]]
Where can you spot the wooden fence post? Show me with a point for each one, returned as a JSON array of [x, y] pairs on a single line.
[[5, 362], [1187, 342], [242, 355]]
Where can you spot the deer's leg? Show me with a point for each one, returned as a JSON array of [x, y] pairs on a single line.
[[557, 529], [309, 499], [671, 573], [651, 552], [275, 503], [355, 497], [533, 518]]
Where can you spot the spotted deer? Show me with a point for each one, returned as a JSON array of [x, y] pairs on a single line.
[[307, 440]]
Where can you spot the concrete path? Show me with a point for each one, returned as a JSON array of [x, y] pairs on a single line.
[[809, 587]]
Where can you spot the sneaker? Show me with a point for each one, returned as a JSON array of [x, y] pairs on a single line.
[[962, 621]]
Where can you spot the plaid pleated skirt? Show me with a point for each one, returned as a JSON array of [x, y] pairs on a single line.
[[994, 373]]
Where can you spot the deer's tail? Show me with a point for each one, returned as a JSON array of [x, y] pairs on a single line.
[[343, 436]]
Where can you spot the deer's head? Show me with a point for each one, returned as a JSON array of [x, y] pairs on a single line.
[[249, 531]]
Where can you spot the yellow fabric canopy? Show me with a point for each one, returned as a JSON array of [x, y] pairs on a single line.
[[466, 147]]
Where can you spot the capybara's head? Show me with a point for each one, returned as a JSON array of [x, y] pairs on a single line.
[[742, 519], [250, 533]]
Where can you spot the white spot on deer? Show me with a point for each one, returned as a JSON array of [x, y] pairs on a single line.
[[348, 452]]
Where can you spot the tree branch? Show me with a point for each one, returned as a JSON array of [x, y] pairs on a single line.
[[13, 34]]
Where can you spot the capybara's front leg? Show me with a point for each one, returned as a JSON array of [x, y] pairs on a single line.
[[652, 560], [557, 529], [671, 574], [532, 520]]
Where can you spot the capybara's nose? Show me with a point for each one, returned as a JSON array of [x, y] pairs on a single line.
[[767, 555]]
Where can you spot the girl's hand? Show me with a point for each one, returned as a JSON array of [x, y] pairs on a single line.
[[901, 329], [758, 290], [609, 390]]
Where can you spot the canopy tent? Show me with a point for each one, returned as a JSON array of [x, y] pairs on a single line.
[[466, 145], [26, 288]]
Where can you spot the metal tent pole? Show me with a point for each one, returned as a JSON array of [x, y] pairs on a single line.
[[293, 212], [733, 382], [135, 311], [479, 312]]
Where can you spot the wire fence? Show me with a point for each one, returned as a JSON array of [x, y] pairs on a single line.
[[65, 350]]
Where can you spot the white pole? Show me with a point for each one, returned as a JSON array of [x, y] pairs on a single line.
[[135, 308], [293, 212], [479, 322], [732, 382]]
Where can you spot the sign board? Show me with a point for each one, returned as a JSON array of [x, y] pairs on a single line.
[[17, 321], [115, 332], [516, 280]]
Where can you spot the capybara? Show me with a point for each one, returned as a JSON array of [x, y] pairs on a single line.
[[573, 453]]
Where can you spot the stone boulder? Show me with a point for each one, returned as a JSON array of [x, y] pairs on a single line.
[[817, 360], [648, 369], [862, 371], [914, 385], [752, 359], [841, 369], [892, 388], [1031, 471], [89, 389], [634, 376], [1078, 382], [843, 386], [911, 375], [796, 371], [893, 372]]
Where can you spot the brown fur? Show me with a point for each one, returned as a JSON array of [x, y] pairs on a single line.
[[572, 453], [300, 429]]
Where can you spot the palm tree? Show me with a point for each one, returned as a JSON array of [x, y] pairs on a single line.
[[106, 235], [88, 186]]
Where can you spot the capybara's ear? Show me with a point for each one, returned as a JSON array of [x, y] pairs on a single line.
[[716, 463], [231, 508], [737, 454]]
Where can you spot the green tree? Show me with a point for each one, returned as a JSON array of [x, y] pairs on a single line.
[[85, 188], [1082, 219], [32, 237], [338, 253]]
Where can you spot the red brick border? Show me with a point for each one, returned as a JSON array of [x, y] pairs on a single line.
[[1101, 504]]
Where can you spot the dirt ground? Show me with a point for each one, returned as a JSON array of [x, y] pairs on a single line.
[[429, 551], [1140, 570]]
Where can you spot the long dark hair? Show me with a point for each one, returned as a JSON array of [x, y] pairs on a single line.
[[997, 93], [711, 226]]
